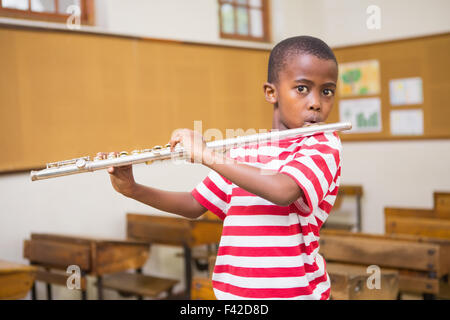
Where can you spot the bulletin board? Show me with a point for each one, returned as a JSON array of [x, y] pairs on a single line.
[[420, 62]]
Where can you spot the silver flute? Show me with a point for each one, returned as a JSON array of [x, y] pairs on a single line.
[[84, 164]]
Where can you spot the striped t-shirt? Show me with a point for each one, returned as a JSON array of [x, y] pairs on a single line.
[[268, 251]]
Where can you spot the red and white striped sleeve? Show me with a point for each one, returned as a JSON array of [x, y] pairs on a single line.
[[212, 193], [314, 167]]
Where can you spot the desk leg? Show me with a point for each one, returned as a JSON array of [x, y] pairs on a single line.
[[188, 270], [33, 291], [49, 291], [99, 288], [139, 271], [49, 288], [358, 214], [84, 292]]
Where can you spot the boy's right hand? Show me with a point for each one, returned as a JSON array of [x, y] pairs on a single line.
[[122, 178]]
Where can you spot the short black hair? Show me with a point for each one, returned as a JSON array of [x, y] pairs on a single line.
[[296, 45]]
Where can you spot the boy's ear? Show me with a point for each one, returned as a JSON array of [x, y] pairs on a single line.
[[270, 93]]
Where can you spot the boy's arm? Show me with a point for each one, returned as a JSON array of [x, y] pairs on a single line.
[[180, 203], [277, 188]]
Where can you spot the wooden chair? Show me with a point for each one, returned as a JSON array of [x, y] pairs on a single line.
[[347, 191], [176, 232], [53, 253], [140, 285]]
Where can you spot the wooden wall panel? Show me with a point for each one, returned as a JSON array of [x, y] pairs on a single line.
[[67, 94], [70, 94]]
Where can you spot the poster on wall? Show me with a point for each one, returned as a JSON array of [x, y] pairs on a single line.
[[407, 122], [360, 78], [364, 114], [406, 91]]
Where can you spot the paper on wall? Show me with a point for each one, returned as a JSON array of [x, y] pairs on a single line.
[[407, 122], [359, 78], [364, 114], [406, 91]]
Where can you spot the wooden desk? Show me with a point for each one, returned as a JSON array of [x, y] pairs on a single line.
[[423, 263], [349, 282], [416, 222], [175, 231], [15, 280], [433, 222], [93, 256]]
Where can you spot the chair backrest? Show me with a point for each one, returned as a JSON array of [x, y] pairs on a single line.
[[173, 231], [347, 190], [419, 222]]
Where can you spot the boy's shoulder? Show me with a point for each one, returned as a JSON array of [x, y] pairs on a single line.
[[328, 142], [329, 138]]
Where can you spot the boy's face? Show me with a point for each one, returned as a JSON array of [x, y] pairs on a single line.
[[305, 91]]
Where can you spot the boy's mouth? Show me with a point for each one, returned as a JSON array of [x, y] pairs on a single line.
[[311, 122]]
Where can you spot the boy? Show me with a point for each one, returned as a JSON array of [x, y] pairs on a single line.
[[269, 244]]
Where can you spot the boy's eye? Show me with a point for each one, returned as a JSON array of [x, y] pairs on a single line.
[[328, 92], [302, 89]]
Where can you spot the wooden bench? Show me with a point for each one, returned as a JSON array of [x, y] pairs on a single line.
[[177, 232], [423, 263], [53, 253], [16, 280]]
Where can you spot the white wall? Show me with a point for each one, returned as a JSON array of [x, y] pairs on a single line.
[[194, 20], [343, 22], [401, 173]]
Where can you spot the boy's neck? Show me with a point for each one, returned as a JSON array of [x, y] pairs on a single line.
[[276, 122]]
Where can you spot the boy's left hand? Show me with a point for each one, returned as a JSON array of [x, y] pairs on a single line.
[[192, 142]]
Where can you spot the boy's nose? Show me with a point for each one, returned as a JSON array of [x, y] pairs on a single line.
[[314, 101], [314, 107]]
